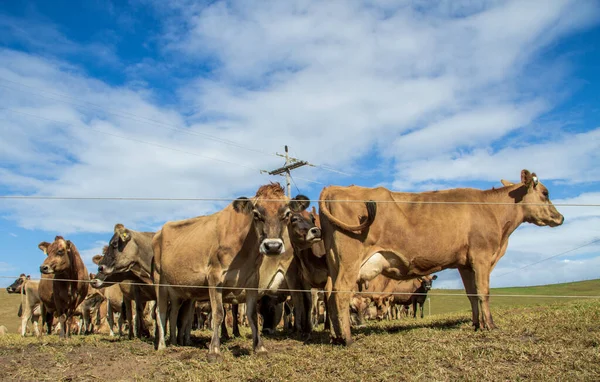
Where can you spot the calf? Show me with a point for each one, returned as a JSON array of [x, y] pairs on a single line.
[[64, 262]]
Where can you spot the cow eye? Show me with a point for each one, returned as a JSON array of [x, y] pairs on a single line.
[[545, 193], [287, 214], [257, 215]]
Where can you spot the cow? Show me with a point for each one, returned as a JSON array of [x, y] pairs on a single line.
[[64, 263], [31, 307], [17, 285], [409, 292], [128, 256], [242, 246], [407, 235]]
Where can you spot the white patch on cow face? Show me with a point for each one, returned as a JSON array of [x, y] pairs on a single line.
[[272, 247], [97, 283], [535, 180]]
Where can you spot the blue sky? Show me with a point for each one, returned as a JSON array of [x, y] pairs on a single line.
[[409, 95]]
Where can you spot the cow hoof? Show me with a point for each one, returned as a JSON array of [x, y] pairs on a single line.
[[342, 341], [214, 357], [261, 351]]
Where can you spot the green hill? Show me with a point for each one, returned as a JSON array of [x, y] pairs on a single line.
[[441, 302]]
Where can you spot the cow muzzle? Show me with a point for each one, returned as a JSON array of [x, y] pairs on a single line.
[[97, 283], [272, 247], [10, 289], [314, 234], [45, 269]]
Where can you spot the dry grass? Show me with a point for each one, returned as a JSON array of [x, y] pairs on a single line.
[[559, 341]]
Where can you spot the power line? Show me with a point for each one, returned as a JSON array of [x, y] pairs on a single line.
[[145, 142], [137, 118], [191, 199], [548, 258]]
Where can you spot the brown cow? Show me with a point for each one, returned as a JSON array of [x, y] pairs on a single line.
[[241, 246], [128, 256], [305, 236], [64, 262], [416, 234], [410, 292]]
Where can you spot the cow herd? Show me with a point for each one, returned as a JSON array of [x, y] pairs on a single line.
[[367, 246]]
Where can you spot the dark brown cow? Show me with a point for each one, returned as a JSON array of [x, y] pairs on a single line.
[[416, 234], [305, 236], [238, 247], [64, 263]]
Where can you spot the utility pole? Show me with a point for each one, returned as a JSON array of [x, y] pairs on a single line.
[[290, 164]]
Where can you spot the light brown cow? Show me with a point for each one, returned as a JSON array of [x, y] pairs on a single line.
[[415, 234], [64, 262], [241, 246], [30, 308]]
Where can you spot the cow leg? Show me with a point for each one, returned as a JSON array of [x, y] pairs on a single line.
[[235, 312], [49, 318], [468, 277], [218, 313], [173, 316], [62, 321], [26, 316], [224, 333], [421, 303], [110, 318], [161, 317], [187, 313], [252, 313], [482, 284]]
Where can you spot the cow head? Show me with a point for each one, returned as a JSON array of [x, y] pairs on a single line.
[[303, 230], [537, 207], [427, 282], [18, 284], [59, 255], [120, 254], [271, 212]]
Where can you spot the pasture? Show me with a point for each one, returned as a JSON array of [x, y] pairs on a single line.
[[538, 339]]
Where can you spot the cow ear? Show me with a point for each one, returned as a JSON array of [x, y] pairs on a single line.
[[69, 245], [97, 259], [243, 205], [506, 183], [299, 203], [434, 277], [43, 246], [534, 179], [123, 233], [526, 178]]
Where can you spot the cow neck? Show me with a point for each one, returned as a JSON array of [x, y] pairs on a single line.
[[76, 271], [308, 260], [511, 216], [142, 268]]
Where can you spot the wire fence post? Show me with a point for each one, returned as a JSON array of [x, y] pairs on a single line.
[[429, 304]]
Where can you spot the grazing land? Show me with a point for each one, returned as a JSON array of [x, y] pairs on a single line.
[[542, 339]]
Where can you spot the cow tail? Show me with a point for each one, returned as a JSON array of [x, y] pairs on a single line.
[[366, 221]]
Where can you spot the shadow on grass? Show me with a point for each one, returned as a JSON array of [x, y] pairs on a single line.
[[320, 336]]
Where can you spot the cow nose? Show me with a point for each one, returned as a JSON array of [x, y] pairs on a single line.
[[562, 219], [273, 246], [315, 231], [44, 268]]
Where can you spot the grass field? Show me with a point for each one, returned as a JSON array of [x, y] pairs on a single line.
[[539, 339]]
